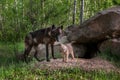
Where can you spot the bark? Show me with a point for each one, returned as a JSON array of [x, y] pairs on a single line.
[[81, 11], [74, 11]]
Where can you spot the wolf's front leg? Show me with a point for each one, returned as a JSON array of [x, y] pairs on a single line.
[[52, 50], [47, 53]]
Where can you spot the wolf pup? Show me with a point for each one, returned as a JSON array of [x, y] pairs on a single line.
[[66, 50], [45, 36]]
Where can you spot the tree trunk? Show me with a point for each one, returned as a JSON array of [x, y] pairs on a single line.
[[17, 27], [74, 11], [43, 14], [1, 17], [81, 11], [31, 14]]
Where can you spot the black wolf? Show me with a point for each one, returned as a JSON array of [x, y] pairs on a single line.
[[45, 36]]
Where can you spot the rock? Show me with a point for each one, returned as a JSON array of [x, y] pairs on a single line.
[[63, 39], [79, 50], [71, 28], [111, 46], [105, 24], [115, 47], [42, 51], [106, 46]]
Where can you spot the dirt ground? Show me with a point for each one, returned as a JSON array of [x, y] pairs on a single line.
[[85, 64]]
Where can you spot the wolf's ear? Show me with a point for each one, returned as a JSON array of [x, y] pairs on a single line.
[[53, 26]]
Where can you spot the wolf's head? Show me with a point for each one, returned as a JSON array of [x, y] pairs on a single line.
[[56, 32]]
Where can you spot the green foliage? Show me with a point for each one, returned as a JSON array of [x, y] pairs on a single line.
[[18, 17], [116, 2], [94, 6]]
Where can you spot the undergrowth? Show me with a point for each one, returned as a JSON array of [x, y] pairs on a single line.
[[108, 55], [25, 72]]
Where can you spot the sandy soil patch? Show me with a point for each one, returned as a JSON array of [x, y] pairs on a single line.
[[86, 64]]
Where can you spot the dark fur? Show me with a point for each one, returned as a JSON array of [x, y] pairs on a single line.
[[43, 36]]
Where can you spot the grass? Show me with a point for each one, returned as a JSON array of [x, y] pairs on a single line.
[[8, 51], [110, 57], [27, 73], [10, 69]]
